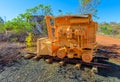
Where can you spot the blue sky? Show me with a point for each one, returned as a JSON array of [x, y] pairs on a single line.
[[108, 10]]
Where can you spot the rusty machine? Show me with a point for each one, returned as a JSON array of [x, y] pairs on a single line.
[[72, 37]]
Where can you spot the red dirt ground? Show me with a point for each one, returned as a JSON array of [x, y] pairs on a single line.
[[109, 43]]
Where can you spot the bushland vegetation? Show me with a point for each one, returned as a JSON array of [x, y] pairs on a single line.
[[111, 29]]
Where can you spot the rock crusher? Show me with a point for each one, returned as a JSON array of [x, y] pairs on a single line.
[[70, 39]]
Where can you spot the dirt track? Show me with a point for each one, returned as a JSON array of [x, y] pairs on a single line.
[[108, 43]]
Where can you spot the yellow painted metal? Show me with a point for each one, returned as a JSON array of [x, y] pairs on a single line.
[[44, 47]]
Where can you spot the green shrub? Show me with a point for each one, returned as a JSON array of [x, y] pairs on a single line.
[[18, 25], [105, 28]]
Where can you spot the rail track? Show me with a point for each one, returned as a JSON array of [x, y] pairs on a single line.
[[98, 61]]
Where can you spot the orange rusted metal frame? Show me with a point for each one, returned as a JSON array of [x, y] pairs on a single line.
[[72, 35], [49, 27]]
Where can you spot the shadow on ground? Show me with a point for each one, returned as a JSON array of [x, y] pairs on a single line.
[[110, 72]]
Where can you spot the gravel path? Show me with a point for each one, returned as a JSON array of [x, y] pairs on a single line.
[[39, 71]]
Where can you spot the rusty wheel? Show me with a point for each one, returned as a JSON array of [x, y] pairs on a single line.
[[61, 53], [87, 57]]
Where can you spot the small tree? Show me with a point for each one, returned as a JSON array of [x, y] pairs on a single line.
[[39, 11], [23, 23], [88, 7], [18, 25]]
